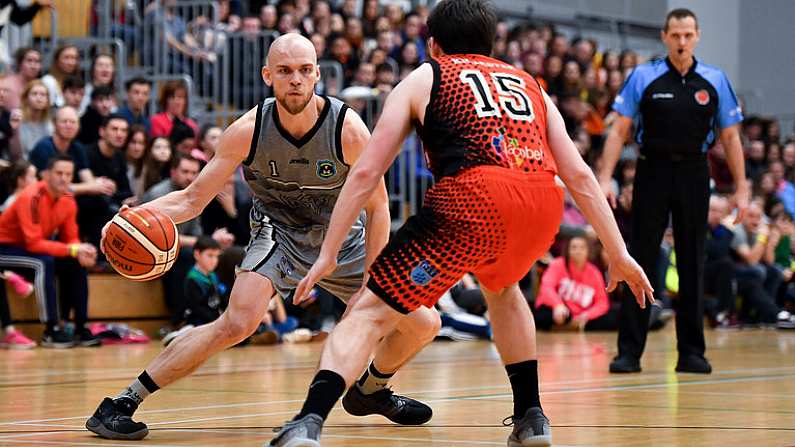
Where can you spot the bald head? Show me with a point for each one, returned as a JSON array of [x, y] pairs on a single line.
[[67, 123], [291, 70], [290, 46]]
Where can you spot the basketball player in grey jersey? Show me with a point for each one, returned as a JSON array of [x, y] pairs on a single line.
[[296, 151]]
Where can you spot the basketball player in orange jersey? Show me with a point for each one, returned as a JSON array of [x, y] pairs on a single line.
[[296, 151], [495, 142]]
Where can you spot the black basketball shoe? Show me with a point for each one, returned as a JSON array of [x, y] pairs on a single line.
[[398, 409], [113, 420]]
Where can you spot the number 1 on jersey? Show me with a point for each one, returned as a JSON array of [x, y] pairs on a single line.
[[512, 97], [274, 171]]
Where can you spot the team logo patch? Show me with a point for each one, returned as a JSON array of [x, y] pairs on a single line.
[[702, 97], [423, 273], [326, 169]]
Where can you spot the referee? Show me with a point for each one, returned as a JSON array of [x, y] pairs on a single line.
[[679, 105]]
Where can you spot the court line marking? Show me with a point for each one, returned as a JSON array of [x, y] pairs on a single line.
[[486, 397], [499, 395]]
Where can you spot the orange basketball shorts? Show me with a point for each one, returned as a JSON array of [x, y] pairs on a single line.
[[488, 220]]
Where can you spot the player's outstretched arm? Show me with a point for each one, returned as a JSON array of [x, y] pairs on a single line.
[[388, 135], [355, 136], [586, 191], [233, 148]]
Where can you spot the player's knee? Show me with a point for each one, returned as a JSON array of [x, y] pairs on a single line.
[[431, 323], [423, 323], [234, 327]]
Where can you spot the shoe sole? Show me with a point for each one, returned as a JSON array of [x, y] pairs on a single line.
[[297, 442], [535, 441], [95, 426]]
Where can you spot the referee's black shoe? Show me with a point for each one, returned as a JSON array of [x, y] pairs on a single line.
[[693, 363], [625, 364], [398, 409], [113, 420]]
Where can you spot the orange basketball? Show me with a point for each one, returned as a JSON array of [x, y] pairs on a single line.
[[141, 243]]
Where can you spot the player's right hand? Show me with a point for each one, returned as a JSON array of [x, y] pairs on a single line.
[[324, 266], [607, 189], [626, 269]]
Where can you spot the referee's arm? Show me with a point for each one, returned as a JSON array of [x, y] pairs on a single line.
[[730, 139]]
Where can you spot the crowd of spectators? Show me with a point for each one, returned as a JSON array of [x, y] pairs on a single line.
[[121, 155]]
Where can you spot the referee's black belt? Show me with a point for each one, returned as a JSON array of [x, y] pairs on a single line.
[[672, 156]]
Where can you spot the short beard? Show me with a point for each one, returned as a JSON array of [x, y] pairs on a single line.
[[294, 109]]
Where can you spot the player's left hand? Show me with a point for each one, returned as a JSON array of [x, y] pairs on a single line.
[[324, 266], [626, 269]]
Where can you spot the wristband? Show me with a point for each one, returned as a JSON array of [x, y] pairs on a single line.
[[761, 238], [73, 249]]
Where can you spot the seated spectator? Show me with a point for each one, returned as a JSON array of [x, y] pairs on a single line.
[[157, 164], [74, 90], [10, 120], [36, 122], [209, 137], [102, 73], [182, 138], [102, 103], [135, 152], [174, 105], [66, 62], [27, 232], [63, 142], [225, 213], [106, 160], [276, 325], [184, 170], [755, 163], [573, 293], [28, 68], [749, 245], [18, 15], [18, 176], [135, 109], [720, 279], [204, 298]]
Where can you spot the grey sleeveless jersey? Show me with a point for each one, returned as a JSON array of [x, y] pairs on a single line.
[[296, 182]]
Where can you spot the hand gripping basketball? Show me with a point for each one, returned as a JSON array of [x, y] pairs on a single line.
[[140, 243]]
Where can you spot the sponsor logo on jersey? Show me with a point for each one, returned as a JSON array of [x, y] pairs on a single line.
[[423, 273], [299, 161], [702, 97], [326, 169], [662, 96], [510, 147]]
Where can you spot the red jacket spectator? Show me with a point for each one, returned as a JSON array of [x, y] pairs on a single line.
[[35, 216], [162, 124], [581, 291]]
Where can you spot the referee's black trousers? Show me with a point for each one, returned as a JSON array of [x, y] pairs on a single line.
[[681, 188]]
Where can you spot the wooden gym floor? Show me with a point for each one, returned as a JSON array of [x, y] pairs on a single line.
[[239, 396]]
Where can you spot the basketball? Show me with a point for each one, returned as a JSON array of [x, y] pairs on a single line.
[[141, 243]]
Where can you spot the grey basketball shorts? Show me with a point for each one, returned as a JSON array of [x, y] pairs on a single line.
[[274, 253]]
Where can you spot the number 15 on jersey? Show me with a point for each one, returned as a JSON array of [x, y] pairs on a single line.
[[513, 100]]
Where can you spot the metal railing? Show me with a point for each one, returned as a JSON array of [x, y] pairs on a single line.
[[241, 86]]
